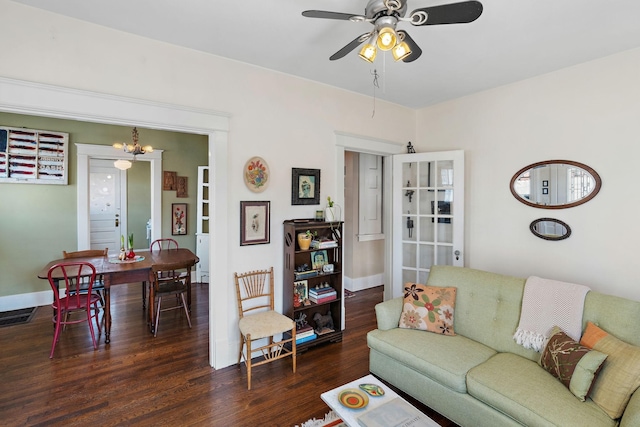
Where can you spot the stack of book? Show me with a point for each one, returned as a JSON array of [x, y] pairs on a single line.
[[304, 334], [324, 243], [320, 295]]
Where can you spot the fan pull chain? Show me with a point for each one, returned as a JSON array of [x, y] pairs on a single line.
[[375, 85]]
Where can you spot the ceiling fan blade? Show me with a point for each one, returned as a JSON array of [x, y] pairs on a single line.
[[349, 47], [329, 15], [415, 49], [454, 13]]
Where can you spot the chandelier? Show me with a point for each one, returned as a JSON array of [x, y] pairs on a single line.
[[134, 149]]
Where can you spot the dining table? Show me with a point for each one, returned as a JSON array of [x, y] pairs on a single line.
[[138, 269]]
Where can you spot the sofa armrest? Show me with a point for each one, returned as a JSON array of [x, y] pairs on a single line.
[[388, 313], [631, 416]]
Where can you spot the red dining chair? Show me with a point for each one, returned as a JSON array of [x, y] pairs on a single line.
[[157, 245], [98, 284], [69, 274]]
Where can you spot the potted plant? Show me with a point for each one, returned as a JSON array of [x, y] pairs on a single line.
[[330, 211], [304, 239], [131, 254]]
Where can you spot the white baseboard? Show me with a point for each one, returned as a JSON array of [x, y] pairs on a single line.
[[33, 299], [362, 283]]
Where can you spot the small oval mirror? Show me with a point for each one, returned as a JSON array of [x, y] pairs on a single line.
[[550, 229], [555, 184]]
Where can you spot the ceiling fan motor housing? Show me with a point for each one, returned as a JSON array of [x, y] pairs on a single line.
[[378, 8]]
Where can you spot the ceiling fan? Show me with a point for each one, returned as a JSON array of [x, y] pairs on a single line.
[[384, 15]]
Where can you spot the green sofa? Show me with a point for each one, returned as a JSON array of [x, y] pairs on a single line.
[[480, 376]]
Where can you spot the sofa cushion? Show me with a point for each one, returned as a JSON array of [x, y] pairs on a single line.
[[523, 390], [445, 359], [575, 365], [428, 308], [620, 375]]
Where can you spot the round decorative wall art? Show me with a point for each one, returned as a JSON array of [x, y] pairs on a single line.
[[256, 174]]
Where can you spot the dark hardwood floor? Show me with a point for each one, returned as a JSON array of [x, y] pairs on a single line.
[[142, 380]]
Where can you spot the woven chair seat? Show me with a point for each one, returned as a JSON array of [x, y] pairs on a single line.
[[265, 324]]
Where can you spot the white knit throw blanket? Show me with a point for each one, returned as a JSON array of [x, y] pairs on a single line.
[[548, 303]]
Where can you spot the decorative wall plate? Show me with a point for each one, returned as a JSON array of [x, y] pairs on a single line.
[[353, 398], [256, 174]]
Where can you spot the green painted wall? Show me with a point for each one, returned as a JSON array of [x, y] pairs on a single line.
[[39, 221]]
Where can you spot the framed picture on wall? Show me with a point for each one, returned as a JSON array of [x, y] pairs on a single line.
[[254, 223], [178, 219], [305, 186]]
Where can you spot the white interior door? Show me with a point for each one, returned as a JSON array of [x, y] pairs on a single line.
[[107, 195], [427, 214]]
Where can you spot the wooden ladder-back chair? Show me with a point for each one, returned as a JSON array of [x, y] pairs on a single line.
[[171, 279], [258, 320], [157, 245], [69, 274], [98, 285]]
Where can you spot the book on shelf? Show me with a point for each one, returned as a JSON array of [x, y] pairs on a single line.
[[325, 330], [306, 339], [324, 244], [395, 413], [320, 300], [305, 328], [321, 291], [305, 274], [304, 334]]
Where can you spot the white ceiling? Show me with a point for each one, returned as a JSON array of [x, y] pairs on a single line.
[[512, 40]]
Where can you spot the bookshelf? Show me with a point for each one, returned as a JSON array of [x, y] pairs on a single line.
[[297, 282]]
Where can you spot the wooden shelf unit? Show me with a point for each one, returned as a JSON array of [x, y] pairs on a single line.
[[294, 258]]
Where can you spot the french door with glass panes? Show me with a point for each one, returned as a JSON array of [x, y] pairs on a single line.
[[428, 215]]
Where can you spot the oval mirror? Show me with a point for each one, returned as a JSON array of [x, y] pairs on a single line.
[[550, 229], [555, 184]]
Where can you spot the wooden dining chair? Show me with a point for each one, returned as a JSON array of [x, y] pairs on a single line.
[[259, 321], [71, 273], [157, 245], [171, 279], [98, 285]]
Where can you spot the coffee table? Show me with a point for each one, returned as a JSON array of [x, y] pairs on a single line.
[[350, 416]]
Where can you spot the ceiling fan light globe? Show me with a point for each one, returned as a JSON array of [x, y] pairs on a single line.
[[401, 51], [387, 38], [368, 52]]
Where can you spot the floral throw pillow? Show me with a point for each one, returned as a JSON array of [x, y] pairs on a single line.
[[428, 308]]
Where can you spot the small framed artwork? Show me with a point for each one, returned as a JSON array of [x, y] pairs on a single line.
[[305, 186], [170, 180], [545, 183], [178, 219], [319, 259], [181, 187], [301, 288], [545, 191], [254, 223]]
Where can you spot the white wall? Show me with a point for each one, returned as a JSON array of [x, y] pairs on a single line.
[[288, 121], [588, 113]]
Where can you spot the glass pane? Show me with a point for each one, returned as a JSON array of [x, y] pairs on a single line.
[[409, 255], [427, 229], [426, 256], [445, 230], [102, 191], [409, 202], [408, 276], [445, 255], [426, 174], [423, 276], [409, 229], [445, 173], [409, 171], [426, 202]]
